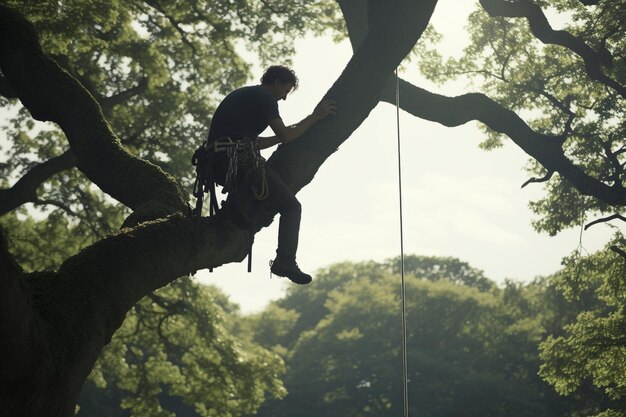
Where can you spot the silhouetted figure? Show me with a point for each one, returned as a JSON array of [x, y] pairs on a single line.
[[234, 135]]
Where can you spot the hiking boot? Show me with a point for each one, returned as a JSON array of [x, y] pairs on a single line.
[[289, 268]]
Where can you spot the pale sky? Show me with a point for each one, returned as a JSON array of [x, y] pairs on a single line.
[[459, 201]]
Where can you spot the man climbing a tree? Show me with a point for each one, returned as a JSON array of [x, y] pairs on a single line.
[[234, 139]]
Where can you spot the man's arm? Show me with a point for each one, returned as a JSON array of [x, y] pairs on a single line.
[[286, 134]]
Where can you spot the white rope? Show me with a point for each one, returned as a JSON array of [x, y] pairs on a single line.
[[405, 366]]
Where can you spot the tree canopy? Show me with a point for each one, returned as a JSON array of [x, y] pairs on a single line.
[[590, 348], [471, 351], [127, 84]]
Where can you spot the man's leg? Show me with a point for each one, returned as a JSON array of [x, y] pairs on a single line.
[[283, 200]]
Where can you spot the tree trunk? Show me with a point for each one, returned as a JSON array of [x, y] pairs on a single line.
[[54, 324]]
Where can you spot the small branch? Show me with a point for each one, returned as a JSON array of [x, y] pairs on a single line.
[[25, 190], [545, 178], [613, 160], [619, 251], [119, 98], [175, 25], [567, 129], [177, 306], [606, 219], [55, 203], [274, 10]]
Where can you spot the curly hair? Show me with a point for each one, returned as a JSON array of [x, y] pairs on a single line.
[[281, 74]]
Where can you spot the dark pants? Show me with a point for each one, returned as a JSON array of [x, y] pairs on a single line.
[[280, 198]]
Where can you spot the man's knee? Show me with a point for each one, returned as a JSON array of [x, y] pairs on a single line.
[[293, 206]]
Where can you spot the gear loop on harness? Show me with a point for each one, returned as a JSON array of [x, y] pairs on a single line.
[[243, 157]]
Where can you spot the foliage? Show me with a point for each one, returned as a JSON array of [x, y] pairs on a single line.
[[156, 68], [553, 90], [175, 351], [175, 355], [592, 348], [436, 268], [471, 351]]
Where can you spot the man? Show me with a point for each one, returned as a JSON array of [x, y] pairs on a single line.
[[242, 116]]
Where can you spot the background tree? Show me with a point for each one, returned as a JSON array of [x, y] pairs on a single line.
[[471, 351], [579, 139], [590, 348]]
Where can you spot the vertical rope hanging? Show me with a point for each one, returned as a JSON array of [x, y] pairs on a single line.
[[405, 376]]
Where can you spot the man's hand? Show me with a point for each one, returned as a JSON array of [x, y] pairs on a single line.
[[286, 134], [325, 108]]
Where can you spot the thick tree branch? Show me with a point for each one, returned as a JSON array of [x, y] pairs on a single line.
[[64, 62], [5, 89], [355, 16], [395, 31], [540, 27], [17, 322], [25, 189], [137, 261], [75, 312], [526, 87], [50, 93], [547, 150], [100, 284]]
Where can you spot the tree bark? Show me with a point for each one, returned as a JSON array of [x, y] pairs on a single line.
[[67, 317], [51, 94], [547, 150]]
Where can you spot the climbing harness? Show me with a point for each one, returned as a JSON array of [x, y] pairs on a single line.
[[405, 376], [241, 155]]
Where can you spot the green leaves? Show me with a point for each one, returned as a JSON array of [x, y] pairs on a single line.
[[569, 85], [157, 69], [175, 348], [472, 345], [592, 346]]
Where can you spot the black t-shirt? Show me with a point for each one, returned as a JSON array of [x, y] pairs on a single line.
[[245, 112]]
